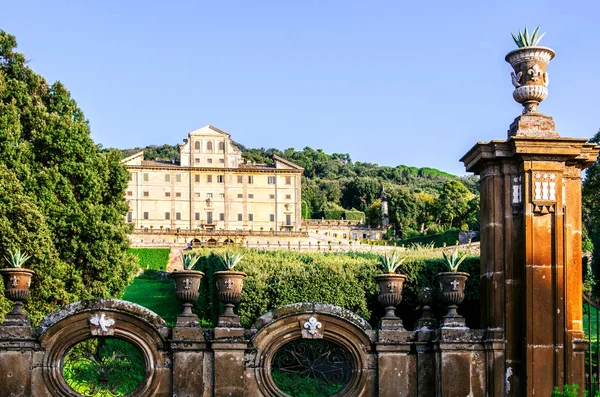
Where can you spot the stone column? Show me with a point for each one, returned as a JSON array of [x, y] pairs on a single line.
[[531, 280]]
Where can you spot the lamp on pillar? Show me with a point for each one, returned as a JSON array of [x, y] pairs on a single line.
[[531, 285]]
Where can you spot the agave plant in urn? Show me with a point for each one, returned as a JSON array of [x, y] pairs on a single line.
[[452, 289], [17, 281], [187, 282], [530, 79], [229, 287], [390, 290]]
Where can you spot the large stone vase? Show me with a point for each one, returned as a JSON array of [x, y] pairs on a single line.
[[390, 295], [530, 78], [427, 321], [187, 283], [452, 293], [16, 288], [229, 288]]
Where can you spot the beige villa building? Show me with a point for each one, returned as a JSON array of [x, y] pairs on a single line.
[[212, 188]]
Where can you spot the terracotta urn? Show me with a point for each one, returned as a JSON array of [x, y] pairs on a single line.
[[229, 288], [390, 292], [530, 77], [187, 283], [16, 288], [452, 292]]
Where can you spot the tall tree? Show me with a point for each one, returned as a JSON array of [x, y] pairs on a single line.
[[591, 206], [62, 199]]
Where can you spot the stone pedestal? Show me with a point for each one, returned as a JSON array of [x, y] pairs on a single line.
[[229, 367], [16, 360], [531, 278], [188, 347]]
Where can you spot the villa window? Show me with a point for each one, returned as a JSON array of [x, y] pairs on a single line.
[[219, 178], [209, 146], [129, 217], [209, 161], [167, 178], [240, 179], [222, 195], [129, 193], [288, 180], [209, 178], [221, 146], [209, 195], [197, 160], [250, 196], [178, 178], [250, 179], [197, 145], [272, 196], [272, 217], [197, 178], [146, 215], [197, 194], [178, 216], [251, 217], [178, 194], [240, 217], [271, 180], [222, 161], [288, 196], [167, 194], [197, 216], [221, 216], [167, 216], [146, 194], [145, 177], [241, 196]]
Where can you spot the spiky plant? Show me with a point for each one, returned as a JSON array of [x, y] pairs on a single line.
[[453, 260], [16, 258], [230, 259], [189, 260], [524, 39], [391, 261]]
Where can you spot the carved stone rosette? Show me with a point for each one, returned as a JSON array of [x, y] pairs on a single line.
[[16, 288], [229, 287], [187, 283], [452, 292], [530, 78]]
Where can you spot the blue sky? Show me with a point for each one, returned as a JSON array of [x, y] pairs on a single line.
[[389, 82]]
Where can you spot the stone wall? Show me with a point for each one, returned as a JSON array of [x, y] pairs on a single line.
[[190, 361]]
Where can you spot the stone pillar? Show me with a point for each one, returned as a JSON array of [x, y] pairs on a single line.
[[531, 279], [16, 360], [229, 367], [396, 363], [460, 363], [188, 347]]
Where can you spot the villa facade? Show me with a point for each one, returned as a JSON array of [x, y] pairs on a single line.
[[212, 188]]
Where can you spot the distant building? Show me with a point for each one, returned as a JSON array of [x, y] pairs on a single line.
[[212, 188]]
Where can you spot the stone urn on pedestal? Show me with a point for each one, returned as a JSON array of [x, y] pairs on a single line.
[[229, 287], [187, 283], [530, 79], [390, 291], [17, 281], [452, 290], [427, 320]]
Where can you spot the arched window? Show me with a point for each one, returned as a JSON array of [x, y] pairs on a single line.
[[209, 146], [221, 146], [197, 146]]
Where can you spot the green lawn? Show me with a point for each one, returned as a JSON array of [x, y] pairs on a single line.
[[151, 258], [156, 295]]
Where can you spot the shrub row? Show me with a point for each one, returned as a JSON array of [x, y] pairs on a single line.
[[448, 238], [277, 278]]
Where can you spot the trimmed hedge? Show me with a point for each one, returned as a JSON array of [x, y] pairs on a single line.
[[449, 238], [354, 215], [151, 258], [277, 278]]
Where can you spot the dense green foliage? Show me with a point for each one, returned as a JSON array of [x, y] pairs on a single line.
[[591, 210], [277, 278], [104, 367], [335, 187], [62, 200], [151, 258]]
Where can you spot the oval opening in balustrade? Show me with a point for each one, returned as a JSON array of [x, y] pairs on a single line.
[[311, 367], [103, 367]]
